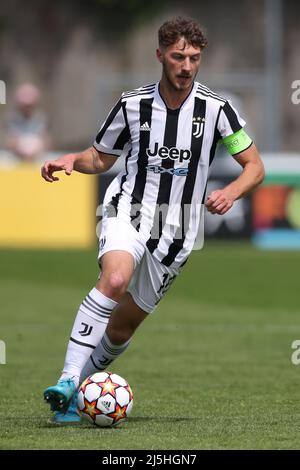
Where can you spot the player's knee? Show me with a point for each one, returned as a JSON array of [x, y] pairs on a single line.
[[117, 283]]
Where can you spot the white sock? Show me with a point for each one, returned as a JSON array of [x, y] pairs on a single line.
[[104, 354], [88, 329]]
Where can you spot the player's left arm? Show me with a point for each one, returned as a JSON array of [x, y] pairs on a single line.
[[221, 200]]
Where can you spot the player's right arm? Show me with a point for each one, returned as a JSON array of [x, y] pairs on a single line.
[[90, 161]]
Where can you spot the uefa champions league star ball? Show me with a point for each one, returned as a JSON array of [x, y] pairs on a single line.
[[105, 399]]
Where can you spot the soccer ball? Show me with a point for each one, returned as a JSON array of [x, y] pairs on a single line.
[[105, 399]]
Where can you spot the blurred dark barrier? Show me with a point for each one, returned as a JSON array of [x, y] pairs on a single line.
[[236, 223]]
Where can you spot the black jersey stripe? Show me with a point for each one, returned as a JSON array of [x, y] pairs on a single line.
[[145, 110], [124, 136], [109, 120], [216, 138], [186, 200], [232, 117], [115, 199], [122, 139], [165, 184]]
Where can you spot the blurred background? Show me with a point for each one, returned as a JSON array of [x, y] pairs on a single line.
[[63, 64]]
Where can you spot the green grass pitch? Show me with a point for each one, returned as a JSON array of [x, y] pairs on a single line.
[[211, 369]]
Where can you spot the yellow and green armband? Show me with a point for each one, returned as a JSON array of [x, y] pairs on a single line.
[[237, 142]]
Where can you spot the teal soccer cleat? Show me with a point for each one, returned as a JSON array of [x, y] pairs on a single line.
[[72, 414], [59, 396]]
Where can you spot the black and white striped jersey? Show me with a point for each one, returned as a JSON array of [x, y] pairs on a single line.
[[167, 158]]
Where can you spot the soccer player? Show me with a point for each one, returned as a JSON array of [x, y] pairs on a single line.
[[167, 132]]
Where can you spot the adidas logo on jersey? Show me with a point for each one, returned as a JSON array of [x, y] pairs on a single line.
[[145, 127]]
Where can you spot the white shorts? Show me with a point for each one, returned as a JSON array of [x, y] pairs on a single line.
[[151, 279]]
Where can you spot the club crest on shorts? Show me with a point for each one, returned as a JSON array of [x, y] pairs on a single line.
[[102, 243], [198, 126]]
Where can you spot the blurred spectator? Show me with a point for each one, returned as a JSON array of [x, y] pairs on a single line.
[[27, 135]]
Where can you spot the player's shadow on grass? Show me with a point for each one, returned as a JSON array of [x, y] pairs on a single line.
[[160, 418], [135, 419]]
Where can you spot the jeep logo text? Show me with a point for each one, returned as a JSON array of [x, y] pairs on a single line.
[[172, 153]]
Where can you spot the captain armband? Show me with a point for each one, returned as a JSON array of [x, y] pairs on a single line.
[[237, 142]]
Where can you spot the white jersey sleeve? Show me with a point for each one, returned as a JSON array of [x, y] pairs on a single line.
[[229, 120], [114, 133]]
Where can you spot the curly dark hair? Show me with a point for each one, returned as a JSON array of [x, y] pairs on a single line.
[[172, 30]]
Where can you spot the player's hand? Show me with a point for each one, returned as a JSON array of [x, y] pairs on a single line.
[[219, 202], [65, 163]]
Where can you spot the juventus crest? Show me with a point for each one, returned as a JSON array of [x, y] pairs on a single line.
[[198, 126]]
